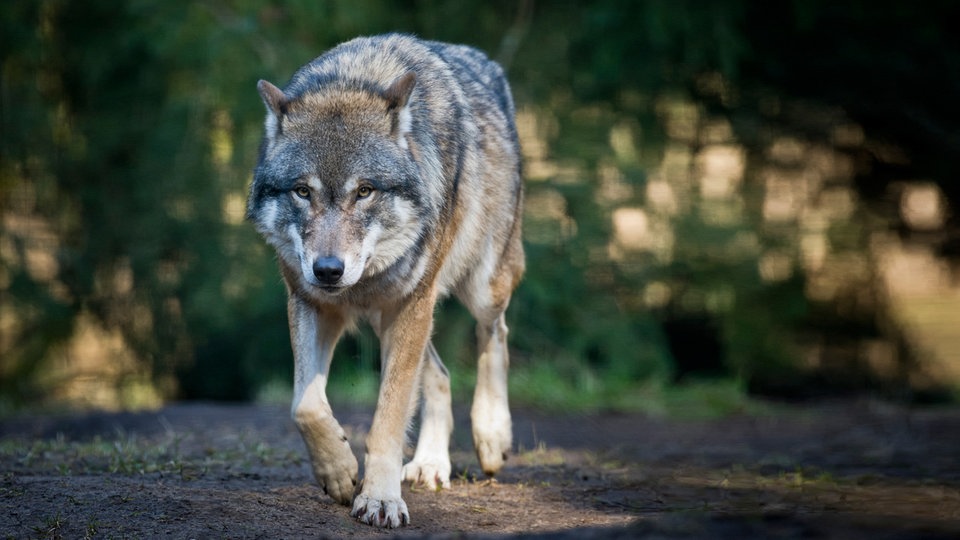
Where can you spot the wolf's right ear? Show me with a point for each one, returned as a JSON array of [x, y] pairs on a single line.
[[273, 97]]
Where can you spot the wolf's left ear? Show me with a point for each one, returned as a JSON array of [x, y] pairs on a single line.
[[398, 105], [399, 92]]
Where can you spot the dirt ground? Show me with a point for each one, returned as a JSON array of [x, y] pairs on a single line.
[[850, 469]]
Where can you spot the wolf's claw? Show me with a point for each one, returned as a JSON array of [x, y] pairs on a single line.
[[389, 513]]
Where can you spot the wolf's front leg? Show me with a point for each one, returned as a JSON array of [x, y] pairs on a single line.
[[404, 335], [314, 333]]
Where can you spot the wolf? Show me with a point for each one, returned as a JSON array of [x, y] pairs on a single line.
[[389, 176]]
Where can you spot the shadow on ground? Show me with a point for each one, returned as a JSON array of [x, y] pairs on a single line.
[[851, 469]]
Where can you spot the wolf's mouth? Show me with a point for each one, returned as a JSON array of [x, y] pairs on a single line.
[[332, 289]]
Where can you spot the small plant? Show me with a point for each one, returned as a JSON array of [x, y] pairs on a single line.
[[51, 528], [466, 476], [92, 527]]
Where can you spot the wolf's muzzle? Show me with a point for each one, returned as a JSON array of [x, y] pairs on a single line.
[[328, 270]]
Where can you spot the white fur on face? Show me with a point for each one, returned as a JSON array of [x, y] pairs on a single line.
[[270, 129], [405, 125], [393, 243], [315, 184], [371, 252], [295, 241], [351, 184], [268, 218], [355, 262]]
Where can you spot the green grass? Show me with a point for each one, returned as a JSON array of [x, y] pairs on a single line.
[[131, 455], [124, 455], [50, 528], [574, 390], [541, 387]]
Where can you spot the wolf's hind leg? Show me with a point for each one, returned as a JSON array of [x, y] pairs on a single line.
[[490, 414], [431, 462]]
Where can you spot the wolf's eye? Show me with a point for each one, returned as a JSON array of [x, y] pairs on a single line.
[[364, 191], [302, 191]]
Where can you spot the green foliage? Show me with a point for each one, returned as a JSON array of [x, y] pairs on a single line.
[[128, 132]]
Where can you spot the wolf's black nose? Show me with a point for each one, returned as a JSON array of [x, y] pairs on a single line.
[[328, 270]]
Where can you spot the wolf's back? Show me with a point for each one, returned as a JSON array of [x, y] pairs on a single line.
[[375, 62], [454, 82]]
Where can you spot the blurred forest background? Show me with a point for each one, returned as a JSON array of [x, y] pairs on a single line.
[[758, 193]]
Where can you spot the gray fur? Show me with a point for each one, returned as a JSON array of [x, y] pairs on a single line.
[[388, 177]]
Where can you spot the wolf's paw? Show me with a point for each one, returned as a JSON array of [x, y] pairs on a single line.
[[433, 474], [339, 484], [492, 433], [492, 453], [334, 465], [336, 473], [386, 512], [492, 440]]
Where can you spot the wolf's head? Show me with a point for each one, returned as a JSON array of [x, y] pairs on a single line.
[[336, 189]]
